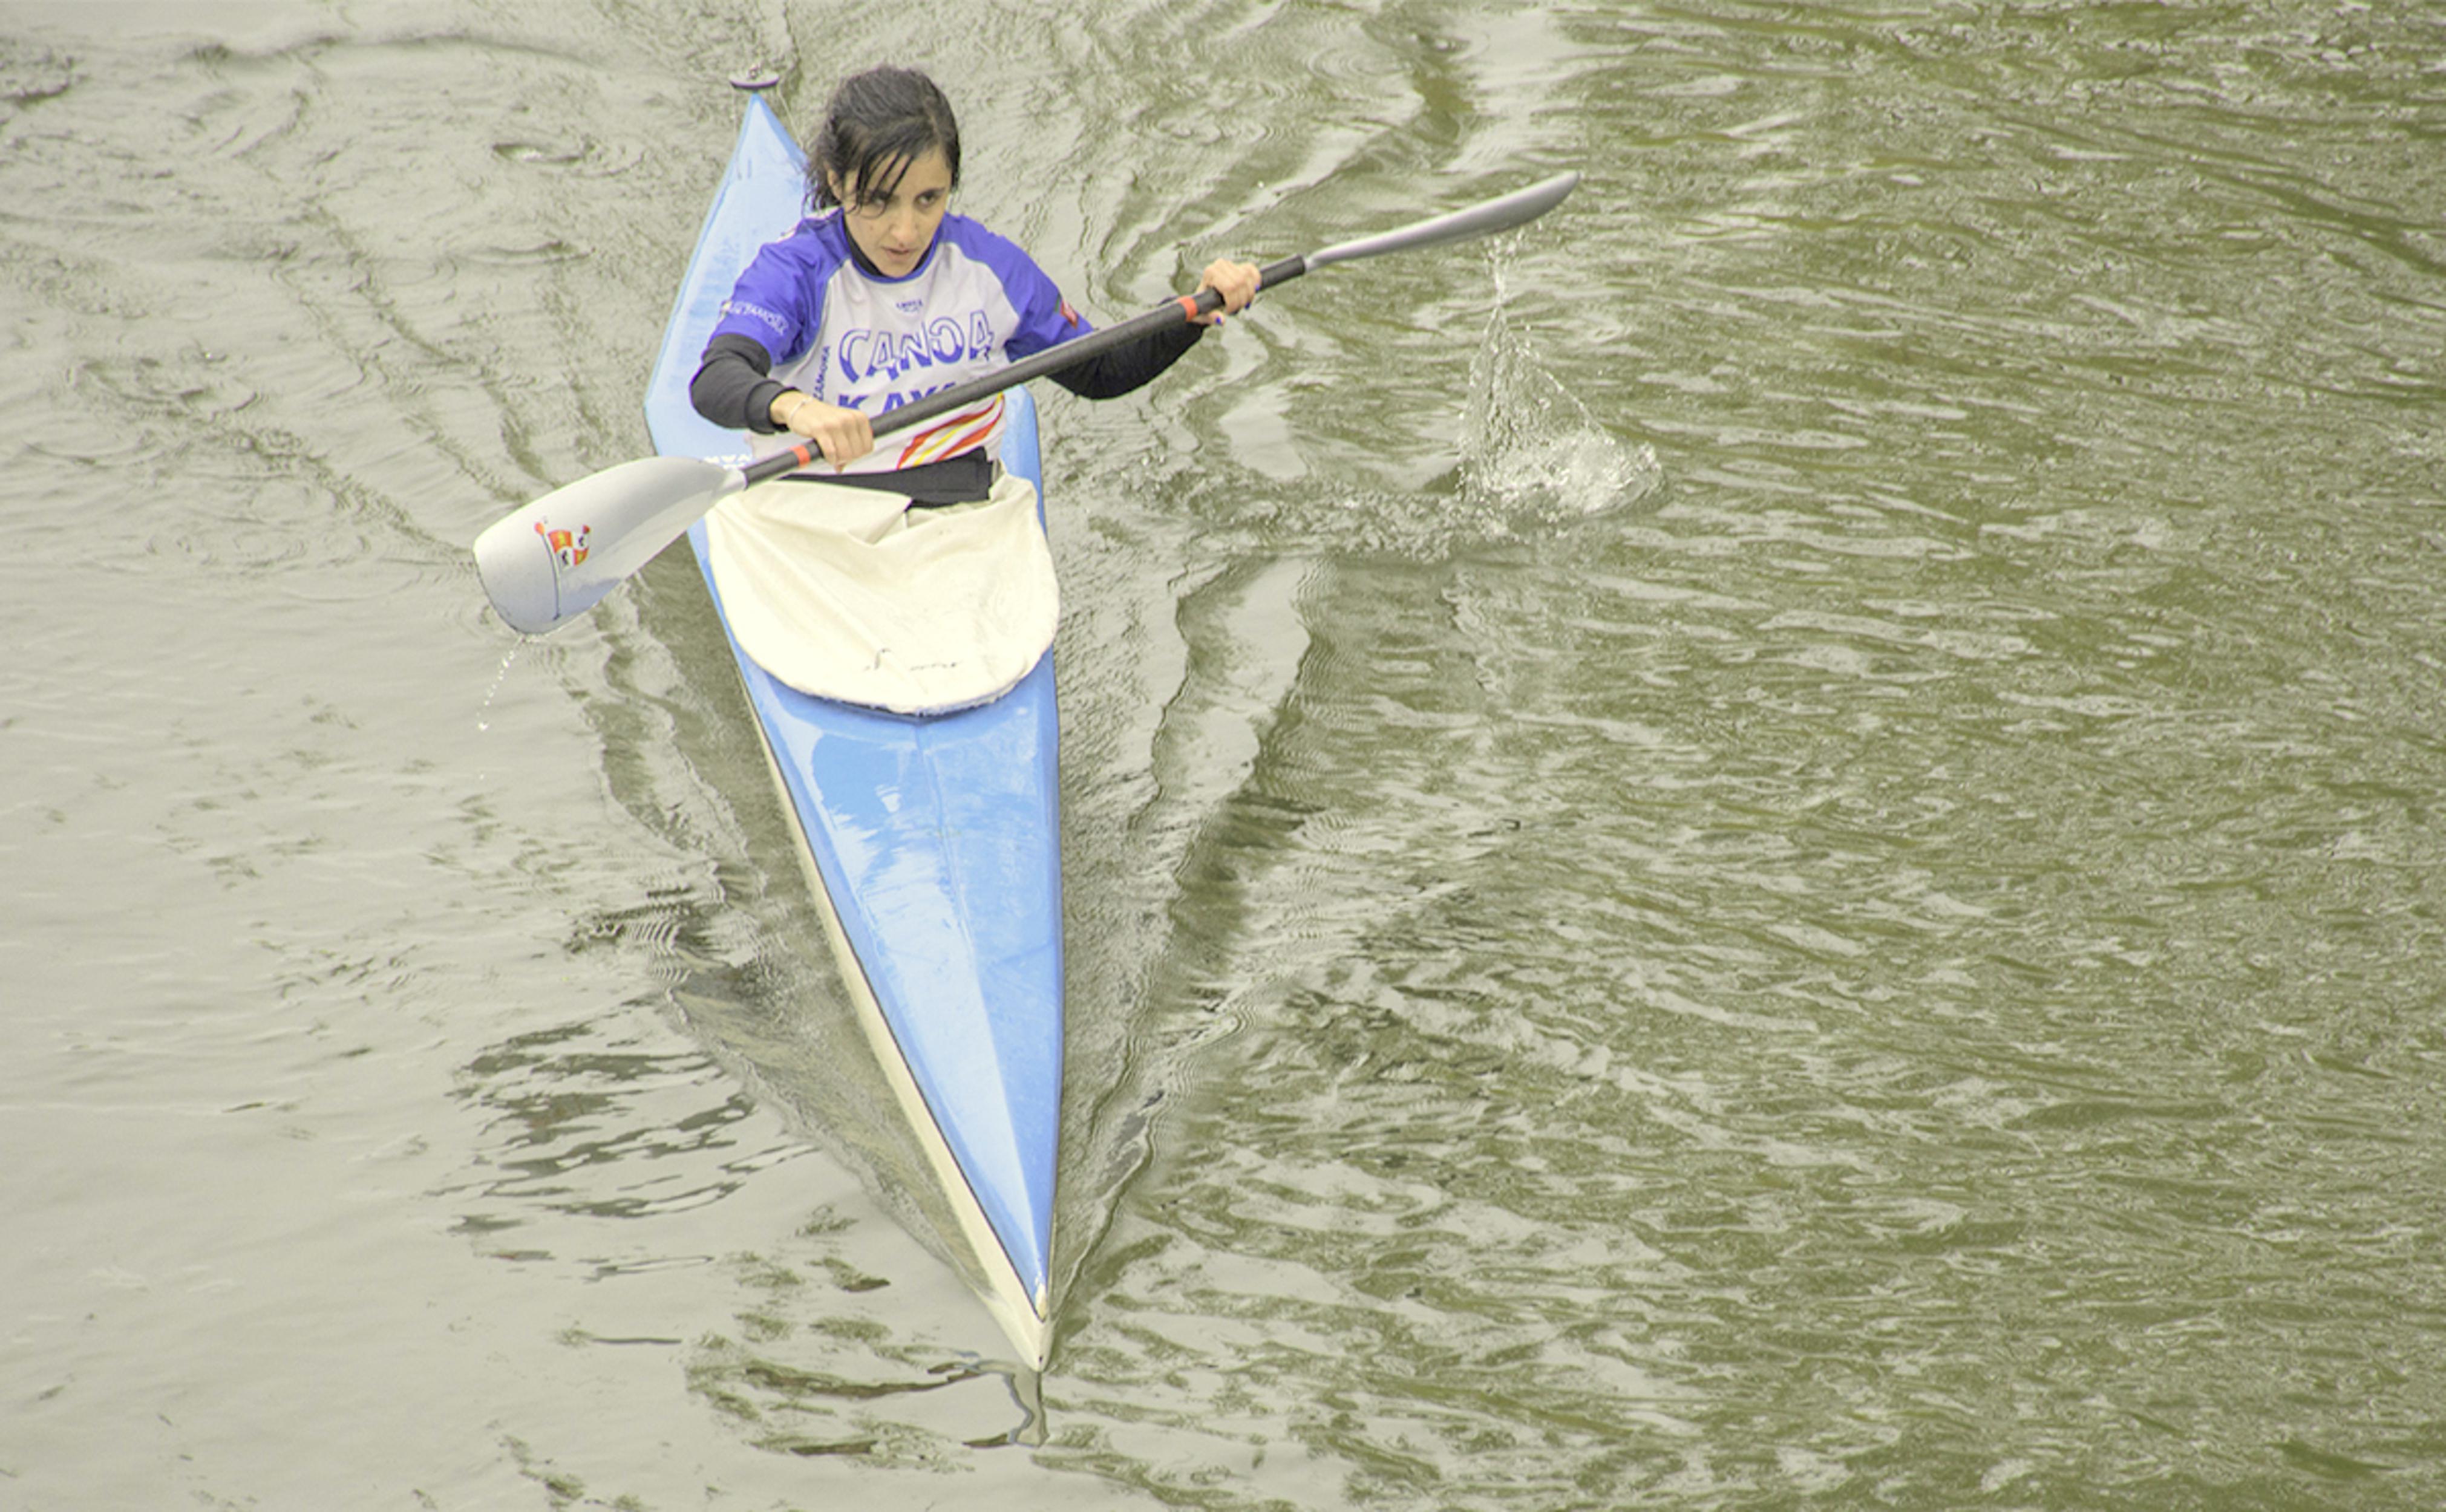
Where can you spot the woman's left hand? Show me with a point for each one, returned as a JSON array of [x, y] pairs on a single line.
[[1235, 281]]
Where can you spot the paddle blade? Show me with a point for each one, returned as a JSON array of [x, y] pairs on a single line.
[[1501, 213], [551, 561]]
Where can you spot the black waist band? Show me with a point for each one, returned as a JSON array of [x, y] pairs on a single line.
[[963, 480]]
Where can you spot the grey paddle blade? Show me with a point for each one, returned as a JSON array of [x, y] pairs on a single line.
[[551, 561], [1501, 214]]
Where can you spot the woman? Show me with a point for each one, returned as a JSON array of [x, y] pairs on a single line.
[[882, 296]]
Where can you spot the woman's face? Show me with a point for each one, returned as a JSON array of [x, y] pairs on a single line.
[[894, 231]]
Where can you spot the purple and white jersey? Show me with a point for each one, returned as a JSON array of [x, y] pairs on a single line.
[[976, 303]]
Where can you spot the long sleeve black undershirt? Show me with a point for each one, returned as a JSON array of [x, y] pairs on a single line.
[[735, 389]]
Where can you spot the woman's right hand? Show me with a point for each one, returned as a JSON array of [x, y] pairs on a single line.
[[842, 435]]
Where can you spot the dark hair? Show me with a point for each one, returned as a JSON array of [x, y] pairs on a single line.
[[878, 122]]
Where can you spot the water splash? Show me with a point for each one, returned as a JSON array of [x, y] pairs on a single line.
[[1530, 449]]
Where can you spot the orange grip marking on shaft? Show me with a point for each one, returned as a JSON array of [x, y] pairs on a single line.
[[1189, 306]]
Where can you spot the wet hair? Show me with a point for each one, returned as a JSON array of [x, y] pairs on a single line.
[[878, 123]]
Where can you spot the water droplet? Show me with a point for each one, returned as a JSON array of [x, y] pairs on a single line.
[[483, 721]]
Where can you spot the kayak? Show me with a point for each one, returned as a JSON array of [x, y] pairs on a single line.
[[931, 843]]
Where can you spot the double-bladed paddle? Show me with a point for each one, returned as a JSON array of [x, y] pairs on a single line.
[[550, 562]]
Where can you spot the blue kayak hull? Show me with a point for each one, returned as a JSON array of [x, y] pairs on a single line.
[[931, 843]]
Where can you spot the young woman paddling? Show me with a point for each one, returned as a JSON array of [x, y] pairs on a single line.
[[883, 296], [877, 300]]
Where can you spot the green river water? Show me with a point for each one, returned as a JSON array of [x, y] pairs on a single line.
[[1774, 846]]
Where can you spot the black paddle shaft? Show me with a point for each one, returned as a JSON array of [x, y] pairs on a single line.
[[1172, 312], [1501, 214]]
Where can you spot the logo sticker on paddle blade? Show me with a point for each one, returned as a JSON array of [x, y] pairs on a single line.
[[567, 547]]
